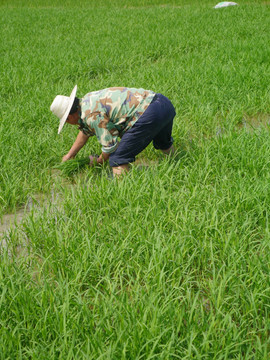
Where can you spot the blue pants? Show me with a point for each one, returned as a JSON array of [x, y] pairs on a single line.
[[155, 124]]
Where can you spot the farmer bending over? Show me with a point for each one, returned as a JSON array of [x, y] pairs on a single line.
[[137, 116]]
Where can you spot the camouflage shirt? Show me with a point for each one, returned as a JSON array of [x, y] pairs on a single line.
[[109, 113]]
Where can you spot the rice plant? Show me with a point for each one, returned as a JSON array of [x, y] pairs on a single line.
[[172, 260]]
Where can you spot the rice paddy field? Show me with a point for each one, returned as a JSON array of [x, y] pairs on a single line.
[[172, 260]]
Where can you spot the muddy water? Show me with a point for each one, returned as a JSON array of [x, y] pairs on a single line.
[[36, 202], [254, 122], [9, 220], [13, 220]]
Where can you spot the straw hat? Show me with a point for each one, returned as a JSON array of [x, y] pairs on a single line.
[[61, 107]]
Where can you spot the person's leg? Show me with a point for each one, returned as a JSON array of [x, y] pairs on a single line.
[[134, 141], [157, 116], [163, 140], [169, 151], [119, 170]]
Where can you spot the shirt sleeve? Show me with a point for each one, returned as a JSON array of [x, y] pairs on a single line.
[[108, 139]]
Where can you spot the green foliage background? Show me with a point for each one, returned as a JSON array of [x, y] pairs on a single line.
[[212, 64], [171, 262]]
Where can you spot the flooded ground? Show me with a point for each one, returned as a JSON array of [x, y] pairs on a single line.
[[254, 122], [12, 220], [8, 221], [39, 201]]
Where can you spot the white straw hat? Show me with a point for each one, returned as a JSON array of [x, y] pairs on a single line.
[[61, 107]]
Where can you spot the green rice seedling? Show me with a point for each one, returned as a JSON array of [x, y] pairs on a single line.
[[182, 274], [73, 166], [171, 261], [215, 76]]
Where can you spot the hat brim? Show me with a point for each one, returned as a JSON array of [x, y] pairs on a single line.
[[65, 116]]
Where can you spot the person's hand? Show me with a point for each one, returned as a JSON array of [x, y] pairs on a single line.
[[66, 158], [93, 160]]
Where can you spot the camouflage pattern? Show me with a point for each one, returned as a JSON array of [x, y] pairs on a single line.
[[109, 113]]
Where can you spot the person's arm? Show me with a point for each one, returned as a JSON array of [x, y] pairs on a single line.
[[95, 159], [80, 141], [103, 158]]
